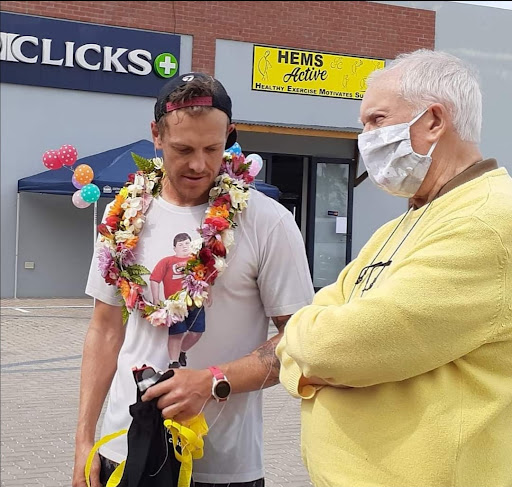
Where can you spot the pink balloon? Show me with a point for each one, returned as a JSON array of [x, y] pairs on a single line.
[[51, 159], [78, 201], [76, 184], [256, 164], [68, 155]]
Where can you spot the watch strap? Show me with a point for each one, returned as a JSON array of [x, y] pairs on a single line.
[[217, 373]]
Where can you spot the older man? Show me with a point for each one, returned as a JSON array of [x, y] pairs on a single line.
[[404, 365]]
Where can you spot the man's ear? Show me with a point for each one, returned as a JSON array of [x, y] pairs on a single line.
[[438, 121], [155, 133]]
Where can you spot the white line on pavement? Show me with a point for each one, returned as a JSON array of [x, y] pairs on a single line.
[[41, 307]]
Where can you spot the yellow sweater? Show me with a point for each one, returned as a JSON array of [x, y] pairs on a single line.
[[426, 353]]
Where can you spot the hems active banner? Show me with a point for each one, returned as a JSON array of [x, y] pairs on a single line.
[[311, 73]]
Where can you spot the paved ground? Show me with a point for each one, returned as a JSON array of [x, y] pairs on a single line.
[[41, 346]]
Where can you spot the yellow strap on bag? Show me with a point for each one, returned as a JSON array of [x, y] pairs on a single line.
[[116, 476], [189, 435], [118, 472], [190, 438]]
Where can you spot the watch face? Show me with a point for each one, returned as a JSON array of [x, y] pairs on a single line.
[[222, 389]]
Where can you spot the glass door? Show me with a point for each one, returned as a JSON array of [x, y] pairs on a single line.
[[329, 218]]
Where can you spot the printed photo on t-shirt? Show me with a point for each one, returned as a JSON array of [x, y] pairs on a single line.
[[165, 280]]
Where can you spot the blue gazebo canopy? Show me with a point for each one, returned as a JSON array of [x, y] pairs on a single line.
[[111, 169]]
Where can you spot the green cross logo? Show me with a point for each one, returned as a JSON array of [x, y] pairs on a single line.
[[165, 65]]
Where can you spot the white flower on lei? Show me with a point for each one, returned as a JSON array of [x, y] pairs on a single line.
[[134, 226], [215, 192], [224, 183], [158, 162], [137, 187], [238, 197], [150, 184], [123, 236], [228, 238], [137, 224], [177, 308], [132, 206], [196, 245], [220, 264]]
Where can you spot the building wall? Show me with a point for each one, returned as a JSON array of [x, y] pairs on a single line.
[[362, 28]]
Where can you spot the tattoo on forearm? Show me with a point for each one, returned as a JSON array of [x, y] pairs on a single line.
[[267, 356], [267, 353]]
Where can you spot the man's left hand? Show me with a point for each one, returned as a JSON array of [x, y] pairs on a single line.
[[184, 395]]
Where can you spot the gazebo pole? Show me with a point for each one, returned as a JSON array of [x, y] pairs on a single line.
[[95, 229], [17, 245]]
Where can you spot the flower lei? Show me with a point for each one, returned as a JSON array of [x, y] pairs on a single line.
[[125, 220]]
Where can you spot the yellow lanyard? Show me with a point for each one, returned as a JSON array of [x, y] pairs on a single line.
[[190, 438], [118, 472]]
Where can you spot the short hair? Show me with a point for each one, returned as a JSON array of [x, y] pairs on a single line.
[[428, 77], [181, 237]]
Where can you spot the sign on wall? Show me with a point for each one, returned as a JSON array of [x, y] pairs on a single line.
[[62, 54], [311, 73]]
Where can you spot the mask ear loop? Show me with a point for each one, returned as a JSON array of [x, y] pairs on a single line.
[[429, 153], [417, 117]]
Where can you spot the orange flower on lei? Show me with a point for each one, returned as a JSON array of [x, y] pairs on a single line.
[[132, 243], [218, 211], [124, 288], [116, 209], [200, 272]]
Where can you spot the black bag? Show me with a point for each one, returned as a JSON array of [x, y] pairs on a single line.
[[151, 461]]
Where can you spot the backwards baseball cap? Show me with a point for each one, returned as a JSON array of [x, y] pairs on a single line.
[[219, 99]]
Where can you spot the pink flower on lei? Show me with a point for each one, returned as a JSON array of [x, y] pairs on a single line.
[[107, 265], [158, 317]]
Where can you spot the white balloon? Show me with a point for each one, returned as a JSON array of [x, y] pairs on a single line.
[[78, 201], [256, 164]]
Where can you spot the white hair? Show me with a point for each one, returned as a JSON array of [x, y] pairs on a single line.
[[428, 77]]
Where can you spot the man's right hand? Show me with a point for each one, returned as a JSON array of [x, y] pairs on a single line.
[[81, 453]]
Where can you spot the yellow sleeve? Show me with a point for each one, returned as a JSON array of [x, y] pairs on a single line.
[[290, 373], [442, 300]]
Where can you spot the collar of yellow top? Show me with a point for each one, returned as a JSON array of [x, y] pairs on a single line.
[[472, 172]]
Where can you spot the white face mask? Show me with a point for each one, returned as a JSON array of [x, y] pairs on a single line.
[[391, 161]]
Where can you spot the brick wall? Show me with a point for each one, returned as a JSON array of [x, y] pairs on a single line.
[[357, 28]]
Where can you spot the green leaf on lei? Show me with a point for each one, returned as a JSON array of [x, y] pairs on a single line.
[[157, 189], [138, 270], [142, 163], [149, 309], [126, 314], [138, 280]]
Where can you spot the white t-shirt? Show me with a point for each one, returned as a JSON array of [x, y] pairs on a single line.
[[267, 275]]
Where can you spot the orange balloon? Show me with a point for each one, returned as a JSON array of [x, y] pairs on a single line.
[[84, 174]]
